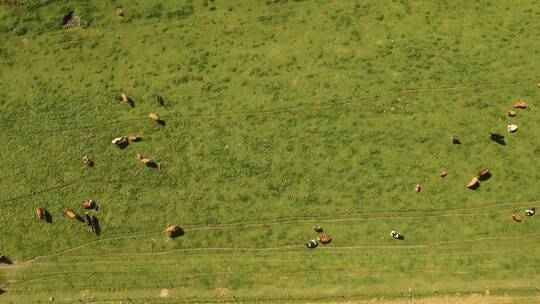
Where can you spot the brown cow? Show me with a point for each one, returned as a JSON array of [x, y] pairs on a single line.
[[134, 138], [443, 173], [521, 104], [325, 239], [516, 218], [154, 117], [70, 213], [174, 231], [125, 98], [511, 113], [147, 161], [171, 229], [473, 183], [40, 213], [484, 173]]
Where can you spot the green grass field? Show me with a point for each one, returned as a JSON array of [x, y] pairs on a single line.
[[279, 115]]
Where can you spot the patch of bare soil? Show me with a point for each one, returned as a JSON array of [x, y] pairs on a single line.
[[221, 292], [164, 293]]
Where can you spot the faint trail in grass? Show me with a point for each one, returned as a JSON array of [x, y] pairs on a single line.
[[293, 109], [343, 272], [34, 193], [290, 247], [365, 217]]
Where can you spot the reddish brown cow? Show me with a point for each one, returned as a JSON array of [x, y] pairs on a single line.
[[40, 213], [521, 104], [325, 239]]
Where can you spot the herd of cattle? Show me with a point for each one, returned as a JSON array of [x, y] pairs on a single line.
[[474, 183], [91, 219], [174, 230]]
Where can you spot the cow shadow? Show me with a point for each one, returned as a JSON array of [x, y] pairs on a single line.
[[79, 218], [2, 291], [159, 100], [48, 216], [498, 138], [485, 177], [5, 260], [153, 165], [476, 186], [122, 145], [95, 226], [130, 102], [177, 233], [161, 122]]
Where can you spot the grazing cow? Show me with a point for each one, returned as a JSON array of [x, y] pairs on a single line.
[[325, 239], [312, 244], [40, 213], [174, 231], [473, 183], [417, 188], [512, 128], [88, 219], [154, 117], [148, 162], [70, 213], [530, 212], [171, 229], [87, 160], [521, 104], [396, 235], [143, 160], [119, 141], [484, 173], [88, 204], [516, 218], [94, 224], [455, 140], [511, 113], [443, 173], [134, 138], [318, 229]]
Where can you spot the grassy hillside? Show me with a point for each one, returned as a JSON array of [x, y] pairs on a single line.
[[279, 115]]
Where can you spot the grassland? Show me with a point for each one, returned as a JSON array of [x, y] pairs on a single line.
[[280, 115]]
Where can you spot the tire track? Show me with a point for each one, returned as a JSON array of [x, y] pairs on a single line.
[[291, 247], [259, 224]]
